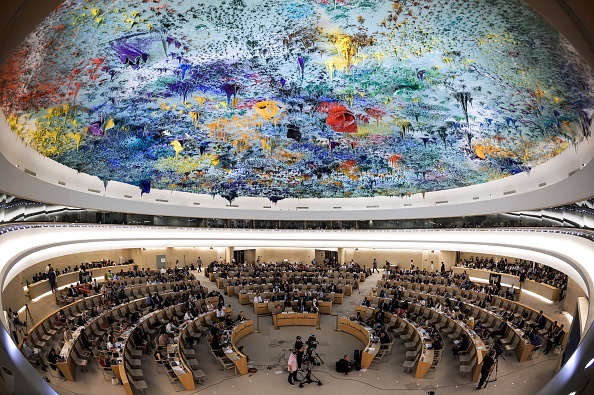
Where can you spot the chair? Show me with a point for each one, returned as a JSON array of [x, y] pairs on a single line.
[[139, 385], [199, 376], [106, 370], [227, 364], [409, 364], [466, 356], [436, 358], [383, 352], [456, 333], [47, 329], [467, 368], [80, 361], [401, 328], [535, 351], [195, 335], [510, 347]]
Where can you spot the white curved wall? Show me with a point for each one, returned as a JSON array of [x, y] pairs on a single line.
[[565, 250]]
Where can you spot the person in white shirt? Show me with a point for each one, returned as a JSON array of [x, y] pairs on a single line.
[[48, 267], [257, 298], [33, 356], [221, 314], [188, 316], [170, 327]]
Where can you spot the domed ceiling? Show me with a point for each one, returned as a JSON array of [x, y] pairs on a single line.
[[297, 99]]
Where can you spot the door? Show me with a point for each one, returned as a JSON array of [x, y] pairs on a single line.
[[161, 261]]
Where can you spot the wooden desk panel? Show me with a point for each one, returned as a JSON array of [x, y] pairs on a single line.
[[295, 319], [325, 307], [239, 332], [261, 308]]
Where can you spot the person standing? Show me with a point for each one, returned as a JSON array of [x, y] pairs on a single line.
[[442, 267], [12, 326], [199, 263], [522, 278], [292, 366], [431, 267], [51, 276], [374, 266], [488, 363], [300, 347]]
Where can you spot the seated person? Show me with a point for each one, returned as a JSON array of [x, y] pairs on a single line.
[[437, 343], [215, 344], [359, 318], [536, 340], [241, 317], [161, 358], [229, 321], [462, 345], [344, 365], [384, 338], [171, 328], [52, 361], [163, 339], [105, 360], [33, 357]]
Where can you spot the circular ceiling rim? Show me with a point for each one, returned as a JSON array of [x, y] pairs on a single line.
[[434, 205]]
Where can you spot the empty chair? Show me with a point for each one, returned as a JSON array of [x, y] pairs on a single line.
[[456, 333], [48, 329], [185, 349], [227, 364], [512, 346], [467, 368], [195, 335], [409, 364], [139, 385], [80, 361]]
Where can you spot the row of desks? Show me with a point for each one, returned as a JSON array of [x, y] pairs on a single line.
[[269, 307], [545, 290]]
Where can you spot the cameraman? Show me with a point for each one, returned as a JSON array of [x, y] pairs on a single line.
[[344, 365], [488, 364], [300, 347]]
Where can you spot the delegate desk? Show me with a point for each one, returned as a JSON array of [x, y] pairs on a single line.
[[294, 319], [363, 334], [239, 332], [261, 308], [425, 356]]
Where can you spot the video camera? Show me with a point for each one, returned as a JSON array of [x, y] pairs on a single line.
[[309, 357], [312, 341], [498, 351]]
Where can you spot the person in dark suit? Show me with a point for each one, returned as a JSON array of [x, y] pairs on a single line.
[[555, 339], [300, 347], [462, 346], [51, 276], [488, 364], [541, 320]]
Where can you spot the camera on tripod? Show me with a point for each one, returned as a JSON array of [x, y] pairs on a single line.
[[310, 354], [498, 351], [312, 341]]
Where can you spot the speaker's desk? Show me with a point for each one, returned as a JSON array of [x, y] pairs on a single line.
[[293, 319]]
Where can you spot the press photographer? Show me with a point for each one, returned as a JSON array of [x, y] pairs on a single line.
[[345, 365]]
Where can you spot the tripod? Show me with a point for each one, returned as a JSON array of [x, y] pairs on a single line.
[[491, 372], [307, 378], [28, 316]]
